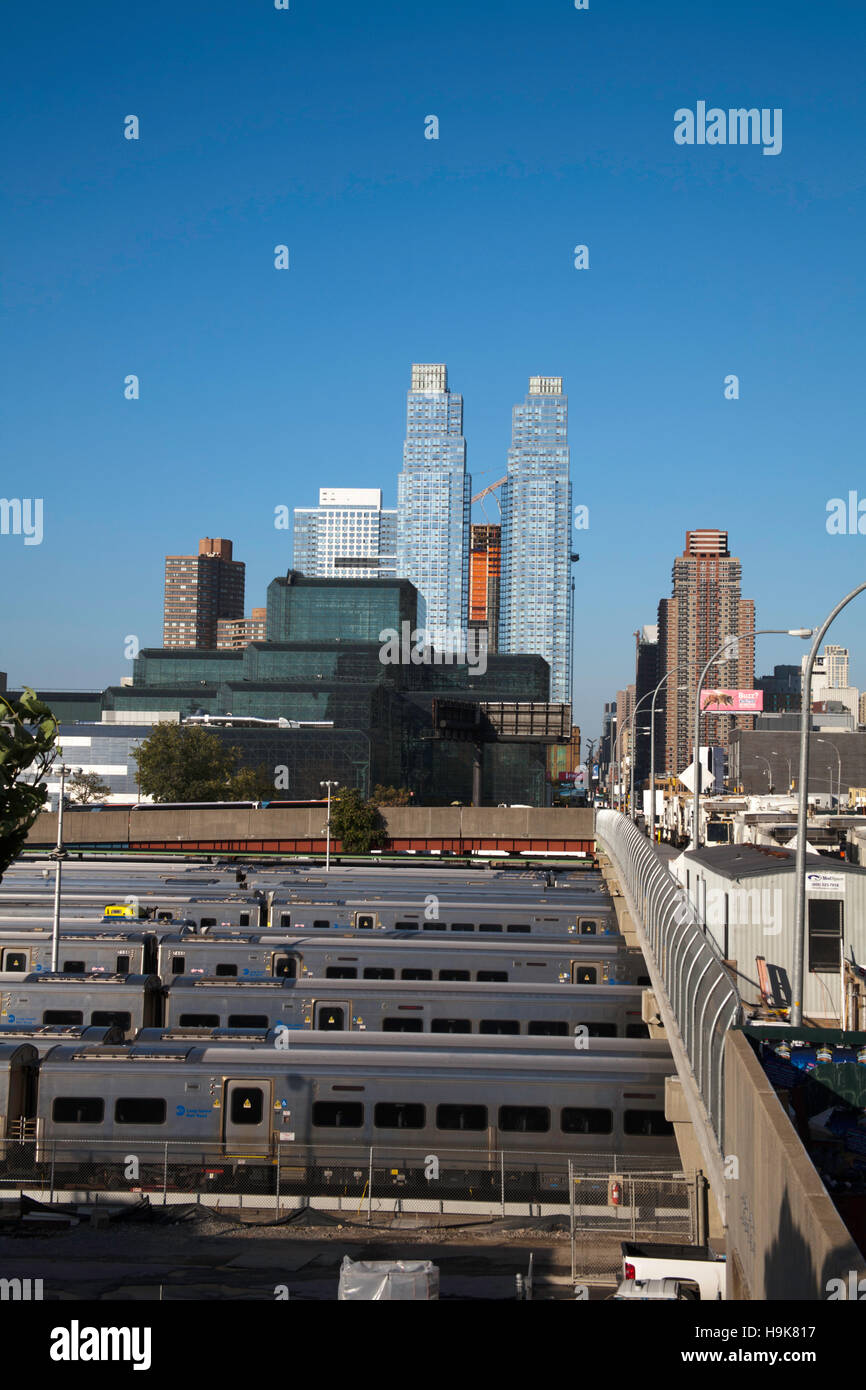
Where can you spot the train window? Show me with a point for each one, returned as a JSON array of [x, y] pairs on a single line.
[[584, 975], [178, 965], [247, 1105], [166, 917], [636, 1030], [139, 1110], [15, 960], [364, 922], [405, 926], [584, 1120], [402, 1025], [208, 922], [644, 980], [588, 928], [338, 1114], [284, 967], [398, 1115], [499, 1025], [285, 919], [121, 965], [434, 926], [451, 1025], [489, 926], [225, 968], [105, 1018], [249, 1021], [321, 923], [73, 967], [490, 977], [329, 1019], [600, 1030], [646, 1122], [78, 1110], [461, 1116], [63, 1016], [547, 1028], [524, 1119], [412, 974], [199, 1020], [341, 972], [454, 975], [517, 927], [462, 926], [244, 919], [378, 972]]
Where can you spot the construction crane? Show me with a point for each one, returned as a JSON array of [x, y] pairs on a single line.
[[485, 492]]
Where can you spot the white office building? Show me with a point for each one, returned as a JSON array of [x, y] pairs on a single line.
[[350, 535]]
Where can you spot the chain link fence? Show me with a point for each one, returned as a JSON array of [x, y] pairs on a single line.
[[647, 1206]]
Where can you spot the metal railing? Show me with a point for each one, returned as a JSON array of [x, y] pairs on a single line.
[[701, 993]]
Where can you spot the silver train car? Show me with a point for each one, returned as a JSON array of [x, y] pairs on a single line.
[[235, 1108], [95, 952], [127, 1002], [595, 917], [44, 1037], [392, 1007]]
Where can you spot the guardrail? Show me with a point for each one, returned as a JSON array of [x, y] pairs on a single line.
[[700, 991]]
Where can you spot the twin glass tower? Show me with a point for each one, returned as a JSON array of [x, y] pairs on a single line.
[[433, 520]]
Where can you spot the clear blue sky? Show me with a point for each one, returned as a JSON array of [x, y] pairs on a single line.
[[306, 127]]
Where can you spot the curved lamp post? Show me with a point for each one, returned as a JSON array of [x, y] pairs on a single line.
[[831, 744], [688, 666]]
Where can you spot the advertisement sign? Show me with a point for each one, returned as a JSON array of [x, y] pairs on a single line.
[[825, 883], [732, 701]]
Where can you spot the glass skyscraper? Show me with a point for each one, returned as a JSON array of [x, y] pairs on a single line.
[[536, 602], [434, 503]]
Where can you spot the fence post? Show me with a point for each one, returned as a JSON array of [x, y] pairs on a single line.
[[370, 1189], [51, 1179], [571, 1214], [165, 1177], [278, 1176], [502, 1179]]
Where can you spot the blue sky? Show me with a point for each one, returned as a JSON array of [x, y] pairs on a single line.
[[306, 127]]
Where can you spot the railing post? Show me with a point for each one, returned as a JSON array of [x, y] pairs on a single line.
[[502, 1179], [370, 1189], [165, 1177], [571, 1215], [51, 1179]]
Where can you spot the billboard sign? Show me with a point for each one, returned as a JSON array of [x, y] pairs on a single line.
[[732, 701]]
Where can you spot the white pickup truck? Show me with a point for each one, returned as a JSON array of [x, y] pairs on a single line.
[[694, 1264]]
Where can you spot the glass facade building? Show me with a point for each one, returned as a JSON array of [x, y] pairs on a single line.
[[434, 503], [536, 605]]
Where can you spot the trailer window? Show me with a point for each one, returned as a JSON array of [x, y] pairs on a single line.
[[78, 1110], [106, 1018], [139, 1110], [378, 972], [524, 1119], [199, 1020], [63, 1016], [451, 1025], [249, 1021], [402, 1025], [398, 1115], [416, 974], [825, 935], [226, 968], [581, 1120], [646, 1122], [490, 977], [247, 1105], [499, 1025], [461, 1116], [454, 975], [178, 965], [341, 972], [338, 1114], [547, 1028]]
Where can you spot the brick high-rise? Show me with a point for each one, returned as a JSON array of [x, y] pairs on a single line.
[[199, 590], [705, 608]]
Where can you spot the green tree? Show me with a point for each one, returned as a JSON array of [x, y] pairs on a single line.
[[184, 762], [357, 823], [84, 787], [28, 738], [391, 796]]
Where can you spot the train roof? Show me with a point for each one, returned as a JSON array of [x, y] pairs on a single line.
[[53, 979], [308, 1038], [317, 986]]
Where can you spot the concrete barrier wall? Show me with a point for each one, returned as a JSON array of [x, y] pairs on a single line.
[[785, 1237], [403, 823]]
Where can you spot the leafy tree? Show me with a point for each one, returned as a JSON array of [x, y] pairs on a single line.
[[184, 762], [357, 823], [391, 796], [28, 735], [252, 784], [84, 787]]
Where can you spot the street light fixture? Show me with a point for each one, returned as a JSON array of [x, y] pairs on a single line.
[[58, 857], [762, 759], [681, 689], [733, 637], [832, 745], [775, 754], [329, 785]]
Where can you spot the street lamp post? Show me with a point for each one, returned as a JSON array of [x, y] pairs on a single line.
[[643, 729], [733, 637], [831, 744], [58, 861], [329, 785], [680, 689], [762, 759], [775, 754], [802, 808], [590, 743]]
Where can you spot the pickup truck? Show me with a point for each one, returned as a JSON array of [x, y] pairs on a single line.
[[666, 1289], [697, 1264]]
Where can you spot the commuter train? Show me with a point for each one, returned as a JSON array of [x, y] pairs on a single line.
[[238, 1110], [133, 1002]]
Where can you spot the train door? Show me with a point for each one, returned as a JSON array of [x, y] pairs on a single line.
[[15, 959], [247, 1114], [21, 1078], [585, 972], [366, 921], [331, 1015]]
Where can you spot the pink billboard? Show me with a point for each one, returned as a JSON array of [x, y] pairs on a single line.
[[732, 701]]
